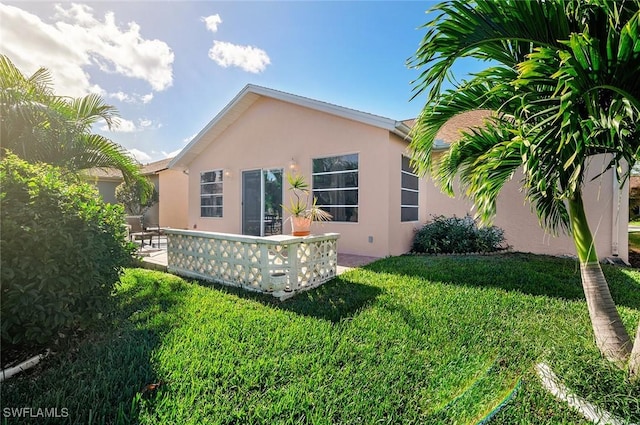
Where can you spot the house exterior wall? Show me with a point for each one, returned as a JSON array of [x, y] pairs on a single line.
[[520, 223], [173, 199], [107, 189], [401, 233], [268, 135], [152, 214]]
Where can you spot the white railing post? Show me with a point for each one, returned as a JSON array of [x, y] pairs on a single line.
[[294, 272], [265, 266]]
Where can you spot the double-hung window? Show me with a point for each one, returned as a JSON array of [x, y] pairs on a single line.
[[211, 193], [335, 186], [409, 207]]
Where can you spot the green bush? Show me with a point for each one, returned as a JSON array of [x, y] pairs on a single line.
[[62, 250], [135, 197], [449, 235]]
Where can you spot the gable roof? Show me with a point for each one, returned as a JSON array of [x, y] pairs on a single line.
[[249, 94], [103, 174], [155, 167], [114, 174]]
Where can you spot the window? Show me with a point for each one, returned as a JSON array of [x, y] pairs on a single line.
[[211, 193], [335, 186], [409, 192]]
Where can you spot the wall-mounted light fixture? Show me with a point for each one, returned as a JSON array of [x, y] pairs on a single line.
[[293, 166], [228, 174]]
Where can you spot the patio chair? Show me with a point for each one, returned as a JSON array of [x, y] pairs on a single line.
[[137, 231], [156, 231]]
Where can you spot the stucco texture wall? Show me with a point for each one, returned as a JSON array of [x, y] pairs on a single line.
[[173, 201], [107, 190], [607, 218], [268, 135]]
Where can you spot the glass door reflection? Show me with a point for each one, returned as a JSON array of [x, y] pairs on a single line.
[[262, 202]]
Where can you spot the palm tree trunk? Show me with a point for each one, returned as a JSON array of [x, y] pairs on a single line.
[[634, 361], [611, 336]]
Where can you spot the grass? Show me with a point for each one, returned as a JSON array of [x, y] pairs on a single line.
[[428, 340]]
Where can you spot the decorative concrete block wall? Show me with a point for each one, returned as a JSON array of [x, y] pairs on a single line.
[[281, 265]]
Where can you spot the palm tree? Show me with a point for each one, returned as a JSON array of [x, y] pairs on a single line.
[[562, 78], [39, 126]]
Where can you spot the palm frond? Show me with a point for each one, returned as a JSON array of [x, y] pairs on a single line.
[[90, 109], [563, 81], [479, 93], [484, 159], [40, 126], [501, 31]]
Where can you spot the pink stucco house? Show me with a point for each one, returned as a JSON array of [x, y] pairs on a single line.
[[359, 170]]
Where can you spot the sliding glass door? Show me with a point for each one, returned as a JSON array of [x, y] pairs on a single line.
[[262, 202]]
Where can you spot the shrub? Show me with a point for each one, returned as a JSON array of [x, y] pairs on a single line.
[[135, 197], [62, 251], [448, 235]]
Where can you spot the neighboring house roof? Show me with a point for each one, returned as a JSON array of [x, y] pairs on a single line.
[[103, 174], [451, 131], [249, 94], [115, 174], [410, 122], [156, 167]]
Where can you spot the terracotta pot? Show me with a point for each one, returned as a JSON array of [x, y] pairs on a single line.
[[300, 226]]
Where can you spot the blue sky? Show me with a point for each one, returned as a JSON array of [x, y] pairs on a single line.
[[170, 67]]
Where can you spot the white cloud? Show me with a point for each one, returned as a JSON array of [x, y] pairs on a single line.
[[127, 126], [144, 123], [122, 126], [141, 156], [212, 22], [126, 97], [187, 140], [171, 154], [121, 96], [77, 40], [248, 58]]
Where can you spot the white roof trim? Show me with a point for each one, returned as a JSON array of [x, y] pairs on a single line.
[[249, 94]]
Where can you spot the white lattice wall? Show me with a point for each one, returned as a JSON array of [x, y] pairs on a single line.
[[250, 262]]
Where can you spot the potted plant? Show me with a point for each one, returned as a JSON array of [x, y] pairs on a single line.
[[302, 206]]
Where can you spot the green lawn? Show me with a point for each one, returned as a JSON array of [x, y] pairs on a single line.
[[425, 340]]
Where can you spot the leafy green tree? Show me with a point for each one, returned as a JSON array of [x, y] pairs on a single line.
[[39, 126], [562, 78], [63, 250], [132, 195]]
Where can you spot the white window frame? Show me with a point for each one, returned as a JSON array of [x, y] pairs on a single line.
[[220, 195], [406, 189], [338, 189]]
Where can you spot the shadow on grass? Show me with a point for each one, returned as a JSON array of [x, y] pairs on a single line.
[[98, 378], [525, 273], [334, 301]]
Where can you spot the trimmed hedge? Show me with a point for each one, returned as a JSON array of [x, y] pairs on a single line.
[[453, 235], [62, 250]]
